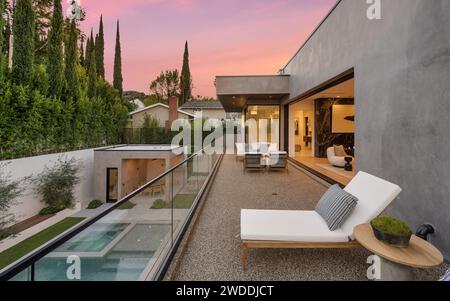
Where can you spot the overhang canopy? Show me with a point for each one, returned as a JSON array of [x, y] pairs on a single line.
[[237, 92]]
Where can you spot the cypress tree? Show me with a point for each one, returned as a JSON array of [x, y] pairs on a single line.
[[2, 8], [55, 66], [100, 50], [186, 80], [73, 88], [92, 74], [23, 50], [82, 61], [89, 49], [118, 79]]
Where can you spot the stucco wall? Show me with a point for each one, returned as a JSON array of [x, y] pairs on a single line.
[[115, 159], [402, 97], [29, 204]]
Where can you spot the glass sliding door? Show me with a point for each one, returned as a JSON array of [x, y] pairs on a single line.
[[263, 124]]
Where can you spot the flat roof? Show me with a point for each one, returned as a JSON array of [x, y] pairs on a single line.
[[140, 148]]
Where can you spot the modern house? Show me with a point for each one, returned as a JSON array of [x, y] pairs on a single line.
[[165, 114], [207, 109], [378, 86]]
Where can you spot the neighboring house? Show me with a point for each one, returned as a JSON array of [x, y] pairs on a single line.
[[138, 104], [165, 114], [208, 109]]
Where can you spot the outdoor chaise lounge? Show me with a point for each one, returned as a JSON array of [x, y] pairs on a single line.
[[272, 229]]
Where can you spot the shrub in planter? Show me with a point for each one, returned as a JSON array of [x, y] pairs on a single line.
[[49, 211], [159, 204], [392, 231], [56, 184], [95, 204]]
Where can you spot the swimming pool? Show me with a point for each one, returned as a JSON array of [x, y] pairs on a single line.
[[126, 260], [93, 239]]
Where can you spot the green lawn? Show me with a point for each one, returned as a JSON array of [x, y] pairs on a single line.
[[21, 249], [180, 201], [183, 201]]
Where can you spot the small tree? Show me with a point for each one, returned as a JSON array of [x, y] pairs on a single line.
[[56, 184], [167, 84], [9, 192]]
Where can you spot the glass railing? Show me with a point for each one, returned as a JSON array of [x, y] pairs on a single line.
[[133, 240]]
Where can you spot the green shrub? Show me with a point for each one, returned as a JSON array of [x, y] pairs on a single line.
[[126, 206], [56, 184], [391, 225], [49, 211], [159, 204], [95, 204]]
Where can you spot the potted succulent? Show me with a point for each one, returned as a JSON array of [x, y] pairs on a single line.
[[392, 231]]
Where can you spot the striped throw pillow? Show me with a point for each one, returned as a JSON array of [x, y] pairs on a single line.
[[335, 207]]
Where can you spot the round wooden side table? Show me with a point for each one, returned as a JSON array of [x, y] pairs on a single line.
[[397, 264]]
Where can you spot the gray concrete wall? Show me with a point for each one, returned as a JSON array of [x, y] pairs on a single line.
[[247, 85], [402, 97]]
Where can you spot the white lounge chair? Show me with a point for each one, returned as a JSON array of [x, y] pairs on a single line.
[[280, 229], [335, 160], [240, 150]]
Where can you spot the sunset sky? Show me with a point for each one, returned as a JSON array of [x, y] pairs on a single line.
[[226, 37]]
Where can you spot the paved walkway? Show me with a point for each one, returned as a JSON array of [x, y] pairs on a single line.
[[214, 250]]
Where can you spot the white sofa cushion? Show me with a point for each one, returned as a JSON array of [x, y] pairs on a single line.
[[335, 160], [374, 196], [285, 225]]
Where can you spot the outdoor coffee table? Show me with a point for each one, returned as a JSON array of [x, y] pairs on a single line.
[[397, 264]]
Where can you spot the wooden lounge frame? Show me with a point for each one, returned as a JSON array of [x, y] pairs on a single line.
[[262, 244]]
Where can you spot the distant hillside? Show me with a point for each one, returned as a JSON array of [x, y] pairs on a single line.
[[132, 95]]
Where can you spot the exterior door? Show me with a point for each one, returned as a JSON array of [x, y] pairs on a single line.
[[112, 185]]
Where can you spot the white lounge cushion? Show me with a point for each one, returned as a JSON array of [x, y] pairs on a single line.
[[285, 225], [374, 196]]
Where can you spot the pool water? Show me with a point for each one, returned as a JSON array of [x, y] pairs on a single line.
[[93, 239], [126, 260]]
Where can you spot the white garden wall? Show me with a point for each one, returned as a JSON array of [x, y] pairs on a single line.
[[29, 204]]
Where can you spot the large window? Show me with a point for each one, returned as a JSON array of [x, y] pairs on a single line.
[[263, 124]]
